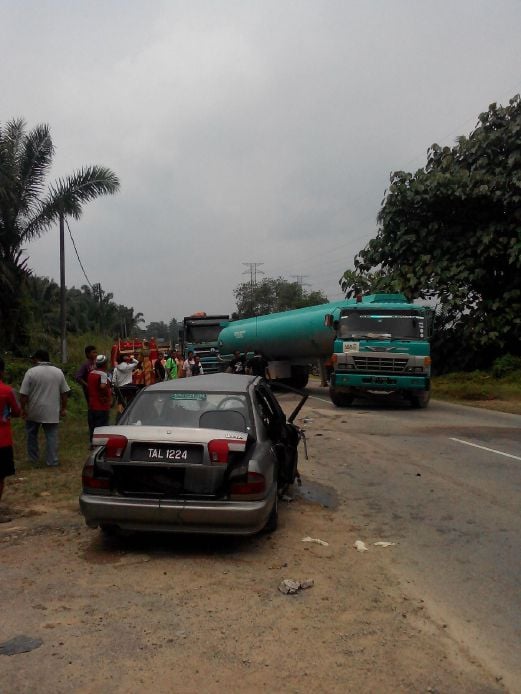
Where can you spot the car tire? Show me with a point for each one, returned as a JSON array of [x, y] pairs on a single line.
[[273, 518]]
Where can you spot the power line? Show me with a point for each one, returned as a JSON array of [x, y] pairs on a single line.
[[253, 272], [78, 255]]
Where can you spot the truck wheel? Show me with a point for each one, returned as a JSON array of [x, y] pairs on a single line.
[[421, 399], [299, 377], [340, 399]]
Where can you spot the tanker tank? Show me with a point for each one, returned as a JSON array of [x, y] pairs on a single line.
[[296, 336]]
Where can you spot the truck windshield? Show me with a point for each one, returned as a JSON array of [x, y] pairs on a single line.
[[383, 325], [202, 334]]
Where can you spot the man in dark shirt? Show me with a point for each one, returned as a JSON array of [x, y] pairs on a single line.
[[82, 374], [237, 364], [258, 365]]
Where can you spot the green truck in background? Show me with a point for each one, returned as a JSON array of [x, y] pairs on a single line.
[[199, 334], [381, 345]]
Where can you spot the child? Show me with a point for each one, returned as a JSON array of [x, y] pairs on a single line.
[[8, 408]]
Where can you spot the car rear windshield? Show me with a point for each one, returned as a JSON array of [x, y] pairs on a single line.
[[189, 409]]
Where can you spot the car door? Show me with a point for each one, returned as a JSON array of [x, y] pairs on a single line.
[[283, 437]]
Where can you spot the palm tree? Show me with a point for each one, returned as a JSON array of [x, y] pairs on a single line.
[[28, 208]]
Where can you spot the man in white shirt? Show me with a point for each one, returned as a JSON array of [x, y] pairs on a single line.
[[122, 382], [43, 397], [122, 374]]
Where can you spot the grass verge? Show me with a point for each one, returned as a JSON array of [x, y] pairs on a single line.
[[480, 389]]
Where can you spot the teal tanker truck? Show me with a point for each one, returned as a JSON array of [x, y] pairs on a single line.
[[378, 343]]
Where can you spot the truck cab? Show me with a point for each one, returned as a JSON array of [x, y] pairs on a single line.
[[200, 335], [381, 346]]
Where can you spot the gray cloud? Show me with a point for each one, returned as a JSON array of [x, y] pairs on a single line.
[[262, 131]]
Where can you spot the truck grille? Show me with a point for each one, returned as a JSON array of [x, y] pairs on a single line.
[[392, 365]]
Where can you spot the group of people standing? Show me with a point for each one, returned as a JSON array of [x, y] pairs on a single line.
[[130, 373], [144, 370]]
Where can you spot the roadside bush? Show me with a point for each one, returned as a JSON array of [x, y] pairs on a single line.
[[505, 365]]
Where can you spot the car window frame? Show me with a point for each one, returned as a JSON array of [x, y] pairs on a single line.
[[267, 400]]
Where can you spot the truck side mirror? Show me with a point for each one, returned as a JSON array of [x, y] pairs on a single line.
[[328, 320]]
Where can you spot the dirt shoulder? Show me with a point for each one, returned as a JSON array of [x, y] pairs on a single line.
[[190, 614]]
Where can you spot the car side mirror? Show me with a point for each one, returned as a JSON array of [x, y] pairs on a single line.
[[329, 320]]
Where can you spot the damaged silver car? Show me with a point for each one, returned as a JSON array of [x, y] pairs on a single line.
[[208, 454]]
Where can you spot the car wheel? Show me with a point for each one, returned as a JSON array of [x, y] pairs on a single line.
[[273, 518]]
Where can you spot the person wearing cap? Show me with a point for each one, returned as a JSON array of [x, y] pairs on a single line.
[[100, 394], [43, 399]]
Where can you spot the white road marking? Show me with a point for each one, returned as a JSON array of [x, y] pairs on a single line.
[[321, 399], [484, 448]]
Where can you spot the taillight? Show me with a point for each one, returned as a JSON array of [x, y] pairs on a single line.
[[115, 444], [219, 449], [89, 481], [255, 483]]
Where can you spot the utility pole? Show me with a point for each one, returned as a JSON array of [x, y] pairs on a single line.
[[253, 272], [299, 279], [63, 315]]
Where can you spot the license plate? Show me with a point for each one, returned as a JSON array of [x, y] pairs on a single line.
[[351, 347], [167, 453]]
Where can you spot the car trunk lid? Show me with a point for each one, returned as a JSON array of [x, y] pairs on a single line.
[[169, 462]]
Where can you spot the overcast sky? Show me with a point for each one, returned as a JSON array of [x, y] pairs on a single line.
[[243, 131]]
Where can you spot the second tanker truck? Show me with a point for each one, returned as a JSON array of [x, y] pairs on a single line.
[[378, 343]]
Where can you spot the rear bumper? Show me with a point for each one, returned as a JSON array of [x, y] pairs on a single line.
[[178, 516], [377, 382]]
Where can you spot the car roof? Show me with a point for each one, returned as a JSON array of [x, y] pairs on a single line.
[[229, 383]]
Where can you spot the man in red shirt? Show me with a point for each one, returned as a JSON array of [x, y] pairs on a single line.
[[100, 394], [8, 408]]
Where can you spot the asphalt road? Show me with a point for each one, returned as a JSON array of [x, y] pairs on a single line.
[[444, 484]]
